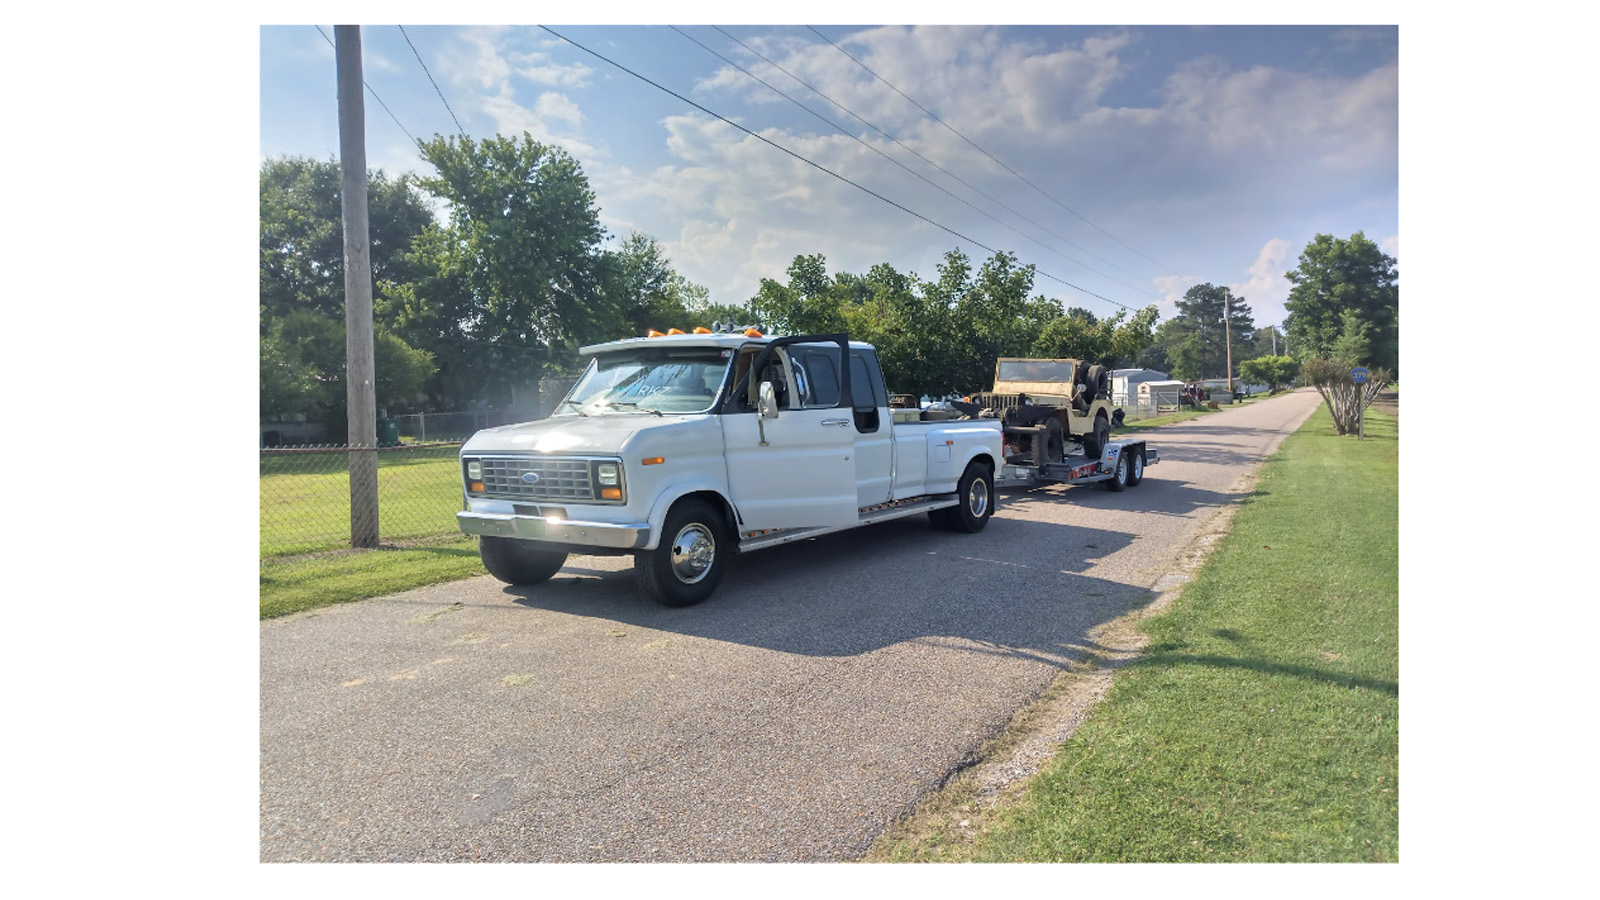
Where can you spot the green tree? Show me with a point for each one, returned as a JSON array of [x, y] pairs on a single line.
[[302, 290], [809, 304], [517, 280], [1353, 346], [650, 293], [1337, 276], [1079, 334], [913, 333], [994, 317], [1273, 371], [303, 370], [1210, 320], [302, 234]]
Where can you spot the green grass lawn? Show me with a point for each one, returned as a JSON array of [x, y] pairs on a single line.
[[305, 528], [295, 585], [305, 498], [1261, 724]]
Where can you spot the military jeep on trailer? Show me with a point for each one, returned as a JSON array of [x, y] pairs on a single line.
[[1071, 398]]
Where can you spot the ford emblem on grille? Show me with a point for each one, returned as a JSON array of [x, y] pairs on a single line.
[[530, 477]]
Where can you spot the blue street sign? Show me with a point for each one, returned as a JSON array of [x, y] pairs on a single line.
[[1359, 373]]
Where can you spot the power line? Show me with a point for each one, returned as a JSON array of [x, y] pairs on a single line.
[[930, 162], [985, 152], [431, 81], [817, 166], [369, 88]]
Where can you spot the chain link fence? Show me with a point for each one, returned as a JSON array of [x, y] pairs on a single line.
[[305, 497]]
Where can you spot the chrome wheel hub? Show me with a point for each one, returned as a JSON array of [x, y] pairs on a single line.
[[693, 552]]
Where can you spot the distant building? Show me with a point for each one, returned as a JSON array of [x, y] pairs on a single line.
[[1159, 394], [1125, 384]]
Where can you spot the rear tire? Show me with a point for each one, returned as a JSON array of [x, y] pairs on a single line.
[[517, 562], [694, 551], [976, 490], [1136, 467], [1119, 473]]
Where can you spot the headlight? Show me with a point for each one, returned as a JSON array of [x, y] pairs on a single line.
[[474, 470], [608, 477]]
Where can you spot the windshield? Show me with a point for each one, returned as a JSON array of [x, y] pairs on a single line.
[[649, 380], [1036, 370]]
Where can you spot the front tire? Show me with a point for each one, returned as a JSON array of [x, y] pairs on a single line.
[[694, 551], [517, 562], [1094, 443]]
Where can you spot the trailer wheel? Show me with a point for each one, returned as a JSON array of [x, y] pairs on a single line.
[[517, 562], [1119, 474], [694, 551], [976, 490], [1136, 468]]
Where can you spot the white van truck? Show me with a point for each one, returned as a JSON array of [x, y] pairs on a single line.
[[687, 449]]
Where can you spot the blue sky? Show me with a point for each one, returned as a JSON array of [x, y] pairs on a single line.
[[1127, 163]]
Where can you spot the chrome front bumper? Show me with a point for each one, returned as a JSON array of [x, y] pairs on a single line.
[[556, 531]]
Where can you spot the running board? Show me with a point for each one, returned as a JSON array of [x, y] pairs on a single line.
[[870, 515]]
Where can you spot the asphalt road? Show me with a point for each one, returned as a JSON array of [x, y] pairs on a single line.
[[821, 691]]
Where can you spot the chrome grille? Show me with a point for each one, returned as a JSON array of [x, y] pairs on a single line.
[[558, 479]]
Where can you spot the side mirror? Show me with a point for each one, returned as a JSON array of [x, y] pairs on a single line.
[[769, 401]]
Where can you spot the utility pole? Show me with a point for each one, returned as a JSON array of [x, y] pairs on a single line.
[[360, 393], [1227, 336]]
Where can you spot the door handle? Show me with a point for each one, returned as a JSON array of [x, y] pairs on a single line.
[[840, 422]]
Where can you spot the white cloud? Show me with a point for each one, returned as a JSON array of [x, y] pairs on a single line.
[[557, 106], [1266, 289]]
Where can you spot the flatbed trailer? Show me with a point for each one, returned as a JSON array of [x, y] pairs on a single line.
[[1121, 463]]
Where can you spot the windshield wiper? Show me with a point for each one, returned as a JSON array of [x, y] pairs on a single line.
[[632, 403]]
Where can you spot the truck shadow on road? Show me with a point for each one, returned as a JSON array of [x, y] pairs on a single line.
[[1013, 589]]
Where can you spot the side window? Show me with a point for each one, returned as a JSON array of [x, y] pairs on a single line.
[[860, 384], [775, 370], [823, 367], [863, 397]]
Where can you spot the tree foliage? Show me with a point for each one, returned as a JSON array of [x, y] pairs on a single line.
[[302, 290], [943, 336], [1210, 322], [475, 309], [302, 234], [517, 279], [1345, 302], [1272, 371], [303, 370]]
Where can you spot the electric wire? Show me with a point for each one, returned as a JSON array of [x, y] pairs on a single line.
[[818, 166], [930, 162], [432, 82], [1163, 268], [368, 87]]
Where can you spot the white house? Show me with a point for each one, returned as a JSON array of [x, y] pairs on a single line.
[[1158, 394], [1125, 384]]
